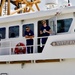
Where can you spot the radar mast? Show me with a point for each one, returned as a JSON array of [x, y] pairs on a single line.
[[28, 6]]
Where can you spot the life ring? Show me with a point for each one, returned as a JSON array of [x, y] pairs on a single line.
[[20, 49]]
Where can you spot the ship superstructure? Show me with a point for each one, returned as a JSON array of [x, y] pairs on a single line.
[[58, 54]]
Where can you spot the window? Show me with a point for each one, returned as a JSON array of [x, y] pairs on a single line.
[[63, 25], [13, 31], [24, 27], [2, 33], [4, 74]]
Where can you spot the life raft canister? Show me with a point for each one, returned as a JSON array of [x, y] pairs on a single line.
[[20, 48]]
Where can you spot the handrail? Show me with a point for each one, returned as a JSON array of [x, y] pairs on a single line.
[[6, 46]]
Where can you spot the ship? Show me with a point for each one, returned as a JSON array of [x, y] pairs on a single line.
[[57, 57]]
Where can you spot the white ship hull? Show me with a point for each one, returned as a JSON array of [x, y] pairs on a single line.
[[66, 67]]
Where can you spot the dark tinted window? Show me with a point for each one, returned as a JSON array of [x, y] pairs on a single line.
[[2, 33], [24, 27], [63, 25], [13, 31]]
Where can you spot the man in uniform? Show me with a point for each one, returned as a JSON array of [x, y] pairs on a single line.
[[29, 35]]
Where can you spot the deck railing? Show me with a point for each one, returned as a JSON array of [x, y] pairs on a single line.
[[7, 47]]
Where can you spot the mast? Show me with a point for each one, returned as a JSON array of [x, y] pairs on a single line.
[[18, 3]]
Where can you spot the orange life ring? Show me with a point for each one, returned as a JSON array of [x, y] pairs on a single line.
[[20, 49]]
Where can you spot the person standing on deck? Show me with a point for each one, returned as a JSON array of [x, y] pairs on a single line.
[[45, 31], [29, 35]]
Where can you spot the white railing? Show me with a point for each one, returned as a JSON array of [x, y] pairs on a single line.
[[7, 47]]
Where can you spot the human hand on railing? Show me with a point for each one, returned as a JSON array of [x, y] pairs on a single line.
[[26, 36], [31, 37]]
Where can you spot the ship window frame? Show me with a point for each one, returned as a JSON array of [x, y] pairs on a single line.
[[4, 74], [65, 28], [15, 36], [3, 33]]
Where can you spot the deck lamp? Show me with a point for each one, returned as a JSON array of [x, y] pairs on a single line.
[[69, 3]]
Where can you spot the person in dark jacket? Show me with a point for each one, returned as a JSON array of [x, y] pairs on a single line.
[[29, 35], [45, 31]]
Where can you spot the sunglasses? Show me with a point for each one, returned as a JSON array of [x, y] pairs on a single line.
[[27, 29]]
